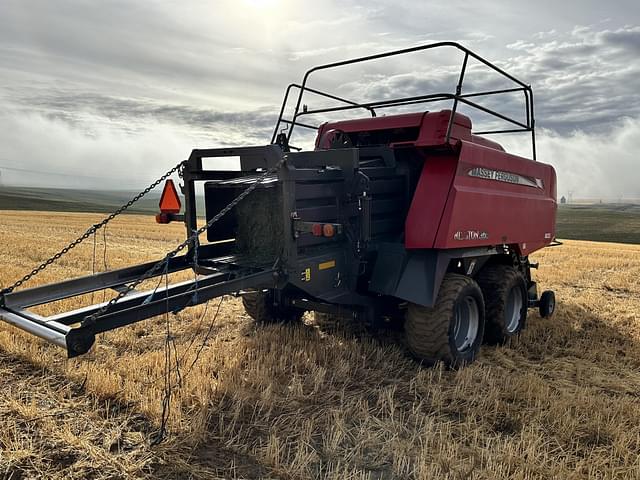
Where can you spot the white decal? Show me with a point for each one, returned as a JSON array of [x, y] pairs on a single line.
[[472, 265], [506, 177], [470, 235]]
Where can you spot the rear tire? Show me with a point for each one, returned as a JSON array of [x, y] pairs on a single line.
[[547, 303], [260, 307], [506, 302], [451, 331]]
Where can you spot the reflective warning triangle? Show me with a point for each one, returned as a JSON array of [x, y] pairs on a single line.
[[169, 200]]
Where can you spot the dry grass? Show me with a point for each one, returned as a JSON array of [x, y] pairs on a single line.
[[282, 402]]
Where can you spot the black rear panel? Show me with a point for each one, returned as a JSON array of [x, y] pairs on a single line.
[[363, 193]]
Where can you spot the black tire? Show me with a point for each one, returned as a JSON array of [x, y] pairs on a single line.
[[506, 302], [434, 334], [547, 304], [260, 307]]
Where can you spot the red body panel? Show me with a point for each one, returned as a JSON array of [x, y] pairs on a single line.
[[432, 127], [373, 123], [429, 201], [486, 211], [471, 192]]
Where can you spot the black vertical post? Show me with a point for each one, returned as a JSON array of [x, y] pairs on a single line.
[[287, 181], [455, 99], [533, 124], [284, 104], [526, 107], [194, 164]]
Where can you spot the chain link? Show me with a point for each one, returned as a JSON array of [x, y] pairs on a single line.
[[91, 319], [92, 230]]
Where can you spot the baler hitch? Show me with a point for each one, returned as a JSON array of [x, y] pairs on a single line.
[[75, 330]]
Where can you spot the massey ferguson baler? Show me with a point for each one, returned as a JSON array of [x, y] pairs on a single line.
[[410, 218]]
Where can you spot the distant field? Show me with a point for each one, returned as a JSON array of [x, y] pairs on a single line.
[[78, 200], [600, 222], [71, 200]]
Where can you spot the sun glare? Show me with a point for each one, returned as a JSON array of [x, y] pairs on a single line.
[[261, 4]]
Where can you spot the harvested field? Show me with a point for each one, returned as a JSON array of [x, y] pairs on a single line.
[[295, 402]]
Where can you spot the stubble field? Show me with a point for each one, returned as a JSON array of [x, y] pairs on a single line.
[[300, 402]]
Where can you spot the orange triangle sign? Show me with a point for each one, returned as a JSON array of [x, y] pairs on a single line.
[[169, 200]]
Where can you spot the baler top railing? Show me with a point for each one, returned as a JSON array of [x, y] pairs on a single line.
[[457, 97], [317, 92]]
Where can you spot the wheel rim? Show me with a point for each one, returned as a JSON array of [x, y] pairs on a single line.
[[513, 309], [467, 322], [551, 306]]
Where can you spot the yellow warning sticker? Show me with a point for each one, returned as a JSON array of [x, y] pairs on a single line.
[[326, 265], [307, 274]]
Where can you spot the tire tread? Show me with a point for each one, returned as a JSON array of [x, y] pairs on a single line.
[[495, 282], [257, 306], [427, 328]]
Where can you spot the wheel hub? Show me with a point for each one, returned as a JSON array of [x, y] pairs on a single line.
[[513, 309], [467, 321]]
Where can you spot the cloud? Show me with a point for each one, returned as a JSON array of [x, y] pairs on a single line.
[[590, 165], [587, 79], [106, 159], [133, 114], [602, 165]]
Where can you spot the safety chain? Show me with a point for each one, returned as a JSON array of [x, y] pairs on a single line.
[[91, 230], [90, 319]]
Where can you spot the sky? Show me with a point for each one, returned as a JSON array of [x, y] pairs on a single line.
[[111, 94]]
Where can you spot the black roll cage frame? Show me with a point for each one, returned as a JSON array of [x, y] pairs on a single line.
[[457, 97]]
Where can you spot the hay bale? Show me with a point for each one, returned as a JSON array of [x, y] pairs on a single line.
[[260, 233]]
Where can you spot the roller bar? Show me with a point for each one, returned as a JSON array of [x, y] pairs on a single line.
[[72, 331]]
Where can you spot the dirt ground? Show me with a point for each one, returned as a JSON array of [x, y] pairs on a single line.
[[300, 402]]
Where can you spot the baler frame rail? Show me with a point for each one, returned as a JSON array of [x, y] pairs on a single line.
[[457, 97], [59, 329]]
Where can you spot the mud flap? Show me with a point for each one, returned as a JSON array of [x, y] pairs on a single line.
[[414, 276]]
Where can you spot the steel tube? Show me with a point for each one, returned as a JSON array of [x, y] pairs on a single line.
[[54, 333], [87, 284]]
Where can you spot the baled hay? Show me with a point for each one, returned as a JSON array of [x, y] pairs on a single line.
[[260, 231]]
